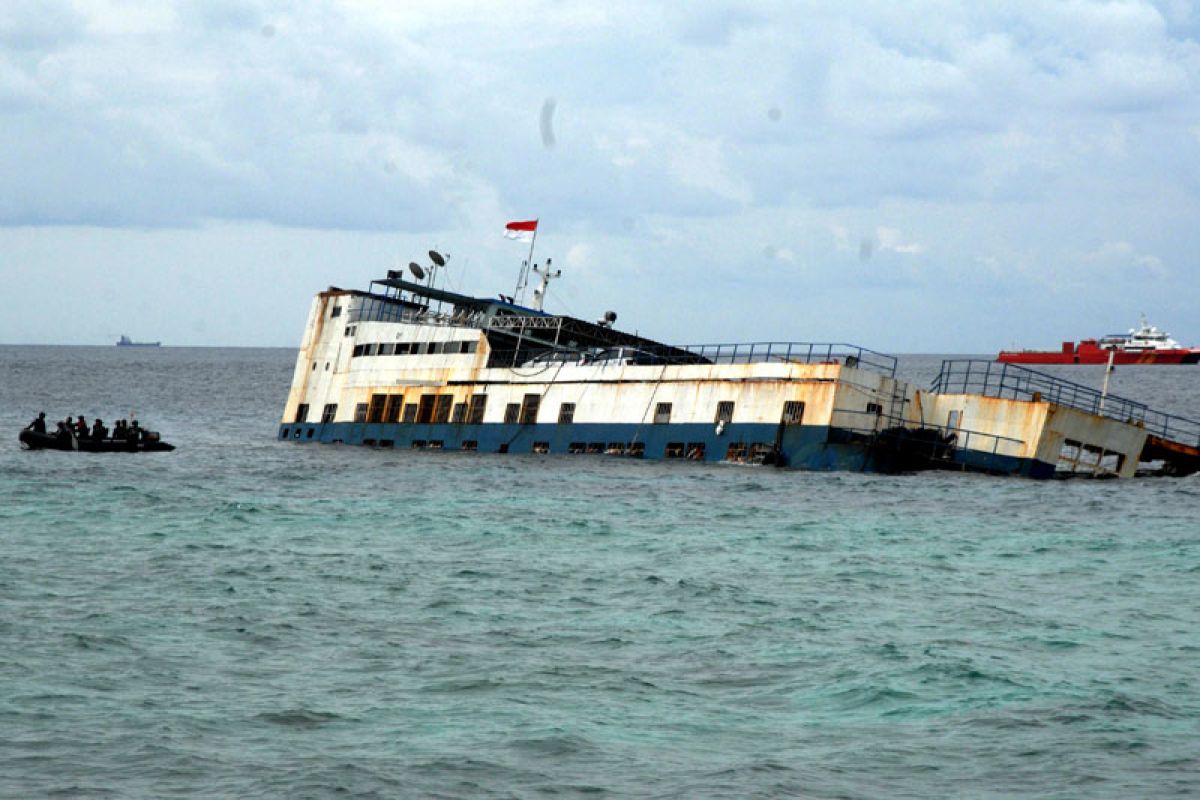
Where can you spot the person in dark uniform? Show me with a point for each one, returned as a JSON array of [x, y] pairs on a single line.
[[38, 425], [98, 429], [81, 427]]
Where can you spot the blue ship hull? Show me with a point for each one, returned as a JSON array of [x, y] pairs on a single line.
[[804, 447]]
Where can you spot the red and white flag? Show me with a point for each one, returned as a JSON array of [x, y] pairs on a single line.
[[521, 231]]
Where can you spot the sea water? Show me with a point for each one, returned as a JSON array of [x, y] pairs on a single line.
[[245, 617]]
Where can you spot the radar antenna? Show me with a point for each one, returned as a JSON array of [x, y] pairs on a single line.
[[439, 261]]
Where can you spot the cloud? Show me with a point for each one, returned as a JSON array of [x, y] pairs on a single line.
[[891, 241], [1122, 255], [924, 136]]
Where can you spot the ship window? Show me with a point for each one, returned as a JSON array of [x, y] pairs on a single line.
[[301, 413], [595, 447], [954, 419], [369, 350], [459, 415], [503, 448], [360, 412], [541, 448], [283, 434], [410, 412], [375, 411], [512, 412], [662, 413], [310, 433], [737, 451], [637, 449], [441, 412], [402, 348], [425, 410], [695, 451], [875, 408], [358, 350], [418, 444], [470, 445], [529, 408], [793, 412], [673, 450], [434, 348], [368, 442], [469, 347], [327, 366], [435, 444], [566, 413], [329, 413], [576, 447], [615, 449], [314, 366], [336, 311], [349, 330], [478, 404], [387, 442], [724, 411], [297, 433], [386, 349], [394, 406], [759, 451]]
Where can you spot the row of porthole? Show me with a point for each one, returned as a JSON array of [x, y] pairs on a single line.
[[693, 451]]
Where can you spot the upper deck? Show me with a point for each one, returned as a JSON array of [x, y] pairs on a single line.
[[520, 336]]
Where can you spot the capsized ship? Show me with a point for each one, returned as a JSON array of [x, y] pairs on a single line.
[[1144, 344], [407, 365]]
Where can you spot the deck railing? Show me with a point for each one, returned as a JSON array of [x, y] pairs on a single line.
[[1015, 382], [795, 353], [953, 438]]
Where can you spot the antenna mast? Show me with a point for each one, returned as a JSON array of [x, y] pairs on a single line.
[[539, 294]]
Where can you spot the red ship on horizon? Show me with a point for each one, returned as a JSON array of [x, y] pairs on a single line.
[[1145, 344]]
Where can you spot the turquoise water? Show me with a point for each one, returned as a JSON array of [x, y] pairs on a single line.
[[251, 618]]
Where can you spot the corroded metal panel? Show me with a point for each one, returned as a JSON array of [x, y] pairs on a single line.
[[1036, 430]]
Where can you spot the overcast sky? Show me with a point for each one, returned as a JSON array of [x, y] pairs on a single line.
[[911, 177]]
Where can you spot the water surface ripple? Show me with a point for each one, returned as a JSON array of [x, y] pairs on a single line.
[[249, 618]]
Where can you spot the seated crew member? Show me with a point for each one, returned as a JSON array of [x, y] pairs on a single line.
[[119, 429], [98, 429], [38, 425], [81, 427]]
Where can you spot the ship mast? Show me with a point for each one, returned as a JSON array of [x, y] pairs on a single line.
[[539, 294]]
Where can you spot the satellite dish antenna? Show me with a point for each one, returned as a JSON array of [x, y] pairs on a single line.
[[436, 258], [416, 270]]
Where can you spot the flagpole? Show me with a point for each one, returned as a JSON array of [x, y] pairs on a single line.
[[523, 276]]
